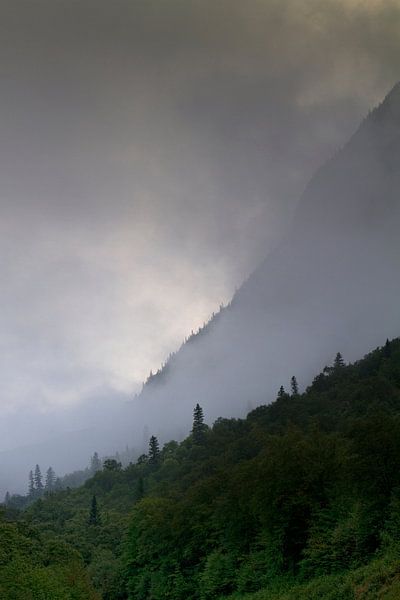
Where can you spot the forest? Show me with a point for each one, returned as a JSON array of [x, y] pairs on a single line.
[[299, 500]]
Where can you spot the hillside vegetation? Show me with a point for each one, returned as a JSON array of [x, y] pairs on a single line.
[[299, 500]]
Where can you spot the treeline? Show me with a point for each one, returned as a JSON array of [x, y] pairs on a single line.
[[39, 486], [292, 501]]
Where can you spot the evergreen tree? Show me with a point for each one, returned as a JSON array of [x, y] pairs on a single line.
[[294, 386], [338, 362], [38, 479], [95, 463], [50, 479], [7, 498], [199, 427], [31, 491], [281, 392], [154, 450], [94, 515]]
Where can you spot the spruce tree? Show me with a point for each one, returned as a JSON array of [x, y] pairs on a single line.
[[338, 362], [154, 451], [31, 490], [294, 386], [94, 515], [50, 479], [38, 479], [281, 392], [199, 427], [7, 498]]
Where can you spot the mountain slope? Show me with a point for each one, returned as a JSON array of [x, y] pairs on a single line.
[[332, 285], [300, 500]]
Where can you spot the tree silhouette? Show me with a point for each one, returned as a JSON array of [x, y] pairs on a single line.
[[338, 362], [94, 515], [294, 386], [199, 427], [31, 488], [281, 392], [154, 450], [50, 479], [38, 479]]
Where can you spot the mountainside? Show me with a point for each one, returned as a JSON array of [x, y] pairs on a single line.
[[332, 284], [299, 500]]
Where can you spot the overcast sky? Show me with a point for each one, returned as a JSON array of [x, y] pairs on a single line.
[[151, 153]]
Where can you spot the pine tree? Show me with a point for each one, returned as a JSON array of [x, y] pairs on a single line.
[[199, 427], [31, 491], [38, 479], [7, 498], [281, 392], [338, 362], [154, 450], [50, 479], [294, 386], [94, 515], [95, 463]]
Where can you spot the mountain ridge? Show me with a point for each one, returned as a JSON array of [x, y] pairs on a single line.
[[344, 233]]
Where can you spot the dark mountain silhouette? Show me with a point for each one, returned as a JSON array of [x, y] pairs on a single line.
[[332, 285]]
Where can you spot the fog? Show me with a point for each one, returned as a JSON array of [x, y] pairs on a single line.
[[152, 155]]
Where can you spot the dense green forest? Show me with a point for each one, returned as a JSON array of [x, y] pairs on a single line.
[[300, 500]]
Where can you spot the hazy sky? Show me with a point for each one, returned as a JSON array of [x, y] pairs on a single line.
[[151, 152]]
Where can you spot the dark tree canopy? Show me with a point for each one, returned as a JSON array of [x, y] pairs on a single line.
[[38, 479], [110, 464], [94, 515], [303, 493], [199, 428], [281, 392], [339, 362], [154, 451], [294, 386]]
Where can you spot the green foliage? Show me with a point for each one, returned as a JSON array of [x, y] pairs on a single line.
[[218, 575], [94, 515], [300, 500], [154, 451], [199, 428], [34, 567]]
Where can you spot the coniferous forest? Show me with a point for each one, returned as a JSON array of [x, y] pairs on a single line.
[[301, 499]]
